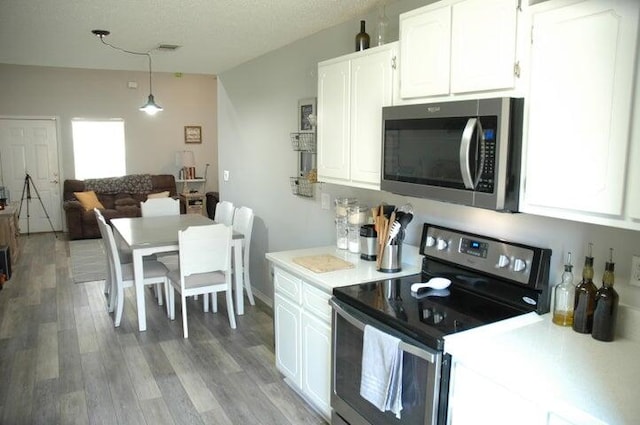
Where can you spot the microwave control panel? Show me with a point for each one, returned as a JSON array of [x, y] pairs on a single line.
[[488, 150]]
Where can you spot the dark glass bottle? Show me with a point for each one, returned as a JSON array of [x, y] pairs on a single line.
[[585, 299], [604, 316], [362, 38]]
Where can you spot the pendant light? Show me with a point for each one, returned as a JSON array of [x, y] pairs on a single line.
[[151, 107]]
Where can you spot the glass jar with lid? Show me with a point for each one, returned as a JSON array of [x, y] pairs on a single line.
[[357, 215], [343, 204]]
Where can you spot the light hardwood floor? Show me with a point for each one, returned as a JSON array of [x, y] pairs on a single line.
[[63, 362]]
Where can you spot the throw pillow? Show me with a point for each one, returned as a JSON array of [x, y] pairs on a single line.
[[88, 200], [164, 194]]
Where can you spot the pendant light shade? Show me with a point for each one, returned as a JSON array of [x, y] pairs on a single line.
[[151, 107]]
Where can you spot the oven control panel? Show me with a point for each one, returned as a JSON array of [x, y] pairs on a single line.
[[500, 258]]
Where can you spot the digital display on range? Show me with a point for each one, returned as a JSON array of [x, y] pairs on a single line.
[[474, 247]]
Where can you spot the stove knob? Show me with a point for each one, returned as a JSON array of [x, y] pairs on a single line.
[[442, 244], [431, 241], [519, 265], [503, 261]]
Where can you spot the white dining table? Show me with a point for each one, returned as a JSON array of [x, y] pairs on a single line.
[[151, 235]]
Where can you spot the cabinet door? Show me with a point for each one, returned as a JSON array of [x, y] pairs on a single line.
[[425, 52], [483, 45], [579, 106], [633, 181], [475, 399], [371, 89], [287, 324], [316, 362], [333, 120]]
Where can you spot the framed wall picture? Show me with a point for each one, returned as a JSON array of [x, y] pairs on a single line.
[[192, 134], [307, 115]]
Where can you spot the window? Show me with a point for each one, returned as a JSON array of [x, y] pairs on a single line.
[[98, 148]]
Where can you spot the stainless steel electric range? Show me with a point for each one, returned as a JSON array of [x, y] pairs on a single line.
[[491, 280]]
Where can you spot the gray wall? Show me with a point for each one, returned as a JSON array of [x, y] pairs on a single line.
[[151, 142], [257, 104]]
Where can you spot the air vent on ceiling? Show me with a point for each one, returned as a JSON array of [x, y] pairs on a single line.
[[167, 47]]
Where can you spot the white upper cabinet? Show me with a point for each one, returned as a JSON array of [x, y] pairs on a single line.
[[371, 89], [333, 119], [483, 45], [425, 49], [582, 70], [633, 182], [351, 93], [454, 47]]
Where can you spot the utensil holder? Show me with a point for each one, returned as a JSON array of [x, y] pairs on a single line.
[[391, 259]]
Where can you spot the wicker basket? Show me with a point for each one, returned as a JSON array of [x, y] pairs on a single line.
[[305, 142], [301, 186]]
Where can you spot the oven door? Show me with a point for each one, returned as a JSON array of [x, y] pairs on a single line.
[[424, 391]]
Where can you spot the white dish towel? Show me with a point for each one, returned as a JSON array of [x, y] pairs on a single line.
[[381, 380]]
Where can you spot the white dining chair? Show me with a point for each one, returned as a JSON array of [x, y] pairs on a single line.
[[205, 267], [224, 213], [107, 279], [157, 207], [243, 223], [122, 274]]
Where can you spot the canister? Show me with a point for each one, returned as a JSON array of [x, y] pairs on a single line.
[[368, 242]]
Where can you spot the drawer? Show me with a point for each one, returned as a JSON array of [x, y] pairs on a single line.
[[194, 209], [316, 302], [287, 285]]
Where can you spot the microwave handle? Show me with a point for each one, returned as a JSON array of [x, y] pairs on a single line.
[[465, 152]]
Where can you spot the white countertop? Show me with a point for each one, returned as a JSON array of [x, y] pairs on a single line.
[[364, 271], [566, 372]]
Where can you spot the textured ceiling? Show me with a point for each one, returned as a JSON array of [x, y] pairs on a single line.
[[215, 35]]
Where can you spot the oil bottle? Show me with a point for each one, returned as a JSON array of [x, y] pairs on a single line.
[[585, 298], [563, 297], [606, 312]]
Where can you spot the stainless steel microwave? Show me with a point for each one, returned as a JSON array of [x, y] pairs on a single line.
[[466, 152]]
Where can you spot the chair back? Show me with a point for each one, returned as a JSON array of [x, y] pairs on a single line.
[[112, 249], [156, 207], [98, 217], [205, 249], [243, 223], [224, 213]]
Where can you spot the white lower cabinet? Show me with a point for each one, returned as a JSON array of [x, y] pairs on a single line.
[[302, 318], [316, 361], [288, 322], [476, 399]]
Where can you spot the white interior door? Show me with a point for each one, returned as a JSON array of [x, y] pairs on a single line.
[[30, 148]]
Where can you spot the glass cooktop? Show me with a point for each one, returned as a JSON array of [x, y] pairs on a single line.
[[430, 314]]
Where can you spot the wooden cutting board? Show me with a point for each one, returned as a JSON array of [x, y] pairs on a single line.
[[323, 263]]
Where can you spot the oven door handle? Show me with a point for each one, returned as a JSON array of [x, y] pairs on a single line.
[[471, 182], [423, 353]]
